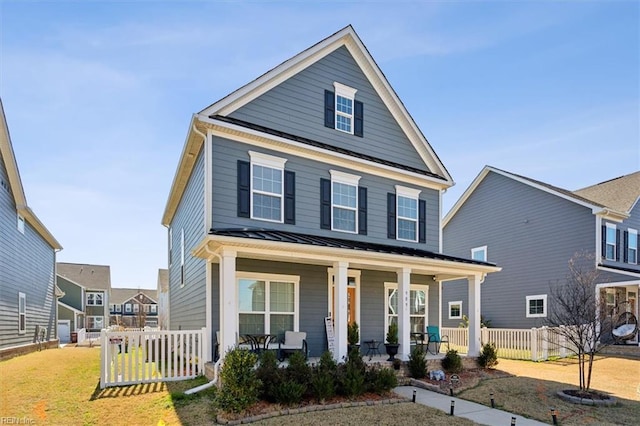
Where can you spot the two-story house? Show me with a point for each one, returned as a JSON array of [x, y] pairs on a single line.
[[532, 229], [27, 263], [130, 307], [87, 290], [310, 193]]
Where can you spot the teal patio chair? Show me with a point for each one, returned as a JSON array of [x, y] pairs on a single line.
[[433, 331]]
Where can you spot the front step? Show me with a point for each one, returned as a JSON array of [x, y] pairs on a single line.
[[631, 350]]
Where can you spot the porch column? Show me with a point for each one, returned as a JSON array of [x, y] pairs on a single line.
[[340, 313], [228, 301], [474, 315], [208, 351], [404, 324]]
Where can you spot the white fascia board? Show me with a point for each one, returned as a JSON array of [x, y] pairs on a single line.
[[256, 138], [618, 271]]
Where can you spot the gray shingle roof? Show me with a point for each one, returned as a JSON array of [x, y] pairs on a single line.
[[121, 295], [619, 194], [90, 276]]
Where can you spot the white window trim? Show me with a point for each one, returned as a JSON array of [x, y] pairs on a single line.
[[127, 308], [454, 303], [118, 308], [351, 273], [20, 223], [182, 274], [349, 93], [394, 286], [94, 320], [154, 309], [345, 179], [295, 279], [615, 243], [272, 162], [95, 293], [170, 246], [480, 249], [542, 297], [414, 194], [23, 297], [630, 232], [136, 308]]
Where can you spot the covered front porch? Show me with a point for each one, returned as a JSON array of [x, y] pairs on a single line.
[[271, 281]]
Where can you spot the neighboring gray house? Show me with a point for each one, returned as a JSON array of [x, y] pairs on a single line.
[[27, 262], [87, 293], [133, 308], [311, 192], [71, 315], [532, 229], [162, 296]]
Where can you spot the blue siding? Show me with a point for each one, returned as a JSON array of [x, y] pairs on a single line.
[[308, 174], [27, 265], [632, 222], [297, 106], [530, 233], [188, 302]]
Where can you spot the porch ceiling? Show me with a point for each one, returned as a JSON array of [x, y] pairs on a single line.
[[310, 249]]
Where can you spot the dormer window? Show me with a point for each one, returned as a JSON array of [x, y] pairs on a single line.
[[342, 111]]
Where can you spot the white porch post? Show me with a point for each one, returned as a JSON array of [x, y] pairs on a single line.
[[404, 324], [340, 313], [228, 301], [474, 315], [208, 350]]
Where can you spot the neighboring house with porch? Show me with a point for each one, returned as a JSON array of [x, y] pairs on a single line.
[[531, 229], [87, 290], [311, 192], [163, 299], [133, 308], [27, 263]]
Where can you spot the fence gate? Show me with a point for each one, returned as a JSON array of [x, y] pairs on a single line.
[[133, 357]]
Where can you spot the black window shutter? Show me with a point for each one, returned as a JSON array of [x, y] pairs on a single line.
[[362, 210], [422, 221], [289, 197], [603, 238], [391, 215], [625, 247], [244, 189], [358, 118], [329, 109], [618, 245], [325, 204]]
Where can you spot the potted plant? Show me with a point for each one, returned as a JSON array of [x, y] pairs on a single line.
[[392, 341], [353, 336]]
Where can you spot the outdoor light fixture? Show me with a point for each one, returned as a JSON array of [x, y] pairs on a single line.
[[513, 421], [553, 416], [414, 395], [453, 406], [493, 402]]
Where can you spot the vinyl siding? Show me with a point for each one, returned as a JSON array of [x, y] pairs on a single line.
[[530, 233], [72, 293], [188, 302], [27, 265], [633, 222], [296, 106], [226, 153]]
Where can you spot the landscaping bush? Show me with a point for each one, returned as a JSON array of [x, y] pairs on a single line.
[[269, 375], [298, 370], [417, 364], [289, 392], [351, 375], [323, 385], [240, 385], [452, 363], [489, 356], [381, 380]]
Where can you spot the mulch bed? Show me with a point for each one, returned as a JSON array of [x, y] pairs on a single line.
[[467, 379]]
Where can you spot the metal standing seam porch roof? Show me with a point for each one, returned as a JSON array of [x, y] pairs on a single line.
[[319, 241]]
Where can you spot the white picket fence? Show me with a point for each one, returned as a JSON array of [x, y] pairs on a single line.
[[536, 344], [134, 357]]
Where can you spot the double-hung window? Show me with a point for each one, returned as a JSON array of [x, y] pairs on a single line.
[[22, 313], [632, 246], [407, 218], [345, 96], [94, 299], [611, 241], [267, 304], [95, 322], [267, 187], [344, 201], [455, 310], [536, 306], [127, 308], [418, 303]]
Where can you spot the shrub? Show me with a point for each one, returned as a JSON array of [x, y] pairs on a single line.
[[327, 363], [381, 380], [417, 364], [392, 334], [289, 392], [323, 385], [240, 385], [298, 370], [351, 375], [353, 333], [269, 375], [452, 363], [489, 356]]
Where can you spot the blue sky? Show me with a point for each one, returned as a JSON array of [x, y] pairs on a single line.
[[98, 96]]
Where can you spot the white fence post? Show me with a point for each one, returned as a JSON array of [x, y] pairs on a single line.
[[562, 342], [534, 344], [545, 343], [103, 359]]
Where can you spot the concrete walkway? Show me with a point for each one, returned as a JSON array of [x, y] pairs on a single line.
[[478, 413]]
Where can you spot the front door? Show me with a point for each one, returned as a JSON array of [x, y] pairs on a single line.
[[64, 332], [352, 296]]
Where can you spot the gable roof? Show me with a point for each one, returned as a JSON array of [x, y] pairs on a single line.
[[92, 277], [11, 165], [620, 193], [121, 295], [596, 207], [345, 37]]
